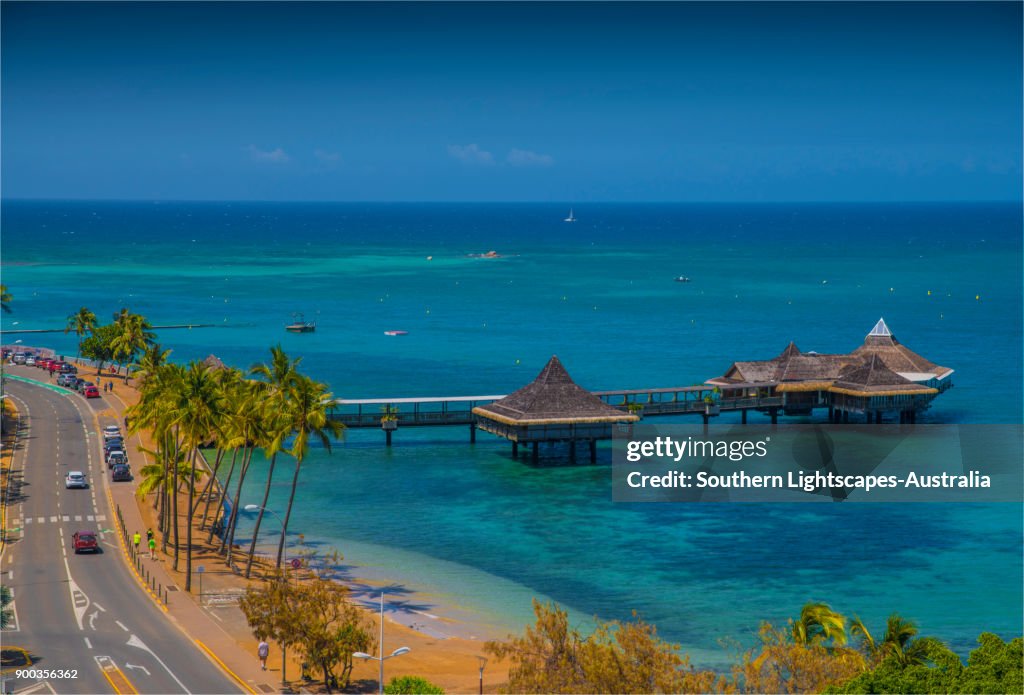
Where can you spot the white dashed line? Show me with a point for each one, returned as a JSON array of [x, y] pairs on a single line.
[[87, 642], [121, 625]]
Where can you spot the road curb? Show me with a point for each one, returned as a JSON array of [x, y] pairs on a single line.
[[224, 667]]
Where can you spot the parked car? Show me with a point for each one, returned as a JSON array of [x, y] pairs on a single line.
[[68, 368], [76, 479], [85, 540], [116, 457], [66, 380], [91, 391], [120, 472], [30, 361], [19, 358]]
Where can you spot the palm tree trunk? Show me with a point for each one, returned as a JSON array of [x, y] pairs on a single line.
[[174, 499], [209, 483], [259, 518], [220, 510], [188, 519], [229, 537], [288, 511]]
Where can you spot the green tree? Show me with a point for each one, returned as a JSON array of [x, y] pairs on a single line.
[[781, 664], [81, 322], [133, 334], [6, 613], [412, 685], [617, 657], [309, 405], [5, 299], [818, 624], [97, 346], [278, 377]]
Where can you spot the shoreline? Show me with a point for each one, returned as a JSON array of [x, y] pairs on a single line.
[[449, 660]]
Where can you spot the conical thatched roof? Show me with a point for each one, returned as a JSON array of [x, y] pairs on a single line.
[[552, 398], [882, 343], [214, 362], [790, 365], [874, 378]]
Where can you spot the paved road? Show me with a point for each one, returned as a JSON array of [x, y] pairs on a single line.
[[84, 613]]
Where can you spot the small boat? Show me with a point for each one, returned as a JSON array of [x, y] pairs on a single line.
[[570, 218], [682, 278], [396, 332], [300, 325]]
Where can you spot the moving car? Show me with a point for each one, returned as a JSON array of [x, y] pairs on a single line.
[[116, 457], [76, 479], [111, 431], [111, 444], [91, 391], [85, 540], [120, 472]]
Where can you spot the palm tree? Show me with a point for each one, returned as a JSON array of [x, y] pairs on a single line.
[[153, 357], [249, 426], [82, 322], [818, 623], [278, 377], [5, 299], [900, 642], [307, 416], [133, 335], [199, 406]]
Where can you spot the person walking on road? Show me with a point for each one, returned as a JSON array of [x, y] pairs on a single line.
[[136, 539], [263, 651], [149, 535], [152, 548]]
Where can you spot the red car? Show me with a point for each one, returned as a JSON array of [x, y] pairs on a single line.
[[85, 540], [92, 392]]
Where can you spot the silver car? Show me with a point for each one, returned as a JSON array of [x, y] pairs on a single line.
[[76, 479]]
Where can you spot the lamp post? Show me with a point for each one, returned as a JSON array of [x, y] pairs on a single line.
[[483, 662], [380, 649], [284, 651]]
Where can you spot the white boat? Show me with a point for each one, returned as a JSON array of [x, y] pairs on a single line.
[[570, 218], [396, 332]]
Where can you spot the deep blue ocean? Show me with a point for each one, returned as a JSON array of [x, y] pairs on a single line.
[[473, 534]]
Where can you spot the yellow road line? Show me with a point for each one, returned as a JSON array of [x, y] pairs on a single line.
[[118, 681], [224, 666]]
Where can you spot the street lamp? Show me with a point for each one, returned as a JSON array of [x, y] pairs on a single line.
[[380, 649], [483, 662]]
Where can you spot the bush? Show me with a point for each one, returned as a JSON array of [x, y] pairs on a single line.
[[412, 685]]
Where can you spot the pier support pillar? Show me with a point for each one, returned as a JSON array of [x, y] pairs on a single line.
[[472, 433], [903, 416], [515, 449], [387, 437], [831, 414], [913, 417], [743, 416], [868, 416], [572, 451], [775, 415], [593, 451], [705, 416], [536, 454], [846, 416]]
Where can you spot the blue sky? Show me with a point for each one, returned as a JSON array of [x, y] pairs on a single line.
[[570, 102]]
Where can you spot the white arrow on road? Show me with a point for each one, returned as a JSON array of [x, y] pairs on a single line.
[[144, 669], [134, 641], [92, 620]]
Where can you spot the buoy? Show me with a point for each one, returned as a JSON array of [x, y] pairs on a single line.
[[892, 289], [517, 361], [430, 258], [929, 293], [977, 297]]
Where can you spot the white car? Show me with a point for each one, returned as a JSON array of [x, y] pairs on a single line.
[[75, 479], [111, 431], [30, 361]]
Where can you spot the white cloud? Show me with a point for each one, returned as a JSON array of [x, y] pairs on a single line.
[[276, 155], [327, 157], [526, 158], [470, 154]]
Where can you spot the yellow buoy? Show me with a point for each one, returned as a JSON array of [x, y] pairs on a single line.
[[977, 297], [929, 293]]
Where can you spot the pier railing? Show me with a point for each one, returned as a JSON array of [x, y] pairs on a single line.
[[458, 410]]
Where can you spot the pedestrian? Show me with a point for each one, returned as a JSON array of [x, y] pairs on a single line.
[[263, 651], [152, 548], [136, 539], [149, 534]]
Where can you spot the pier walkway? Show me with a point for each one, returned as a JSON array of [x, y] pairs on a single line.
[[458, 410]]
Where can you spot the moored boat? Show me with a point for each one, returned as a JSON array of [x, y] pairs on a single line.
[[300, 325]]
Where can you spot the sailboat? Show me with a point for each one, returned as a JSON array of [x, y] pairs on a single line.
[[570, 218]]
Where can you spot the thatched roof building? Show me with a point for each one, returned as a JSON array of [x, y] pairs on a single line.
[[882, 343], [552, 398], [874, 378], [551, 408], [214, 362]]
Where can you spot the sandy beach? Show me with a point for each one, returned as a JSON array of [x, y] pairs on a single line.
[[450, 662]]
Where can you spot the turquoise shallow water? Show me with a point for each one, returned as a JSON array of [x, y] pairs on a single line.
[[476, 534]]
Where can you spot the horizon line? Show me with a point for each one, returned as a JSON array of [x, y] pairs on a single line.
[[918, 201]]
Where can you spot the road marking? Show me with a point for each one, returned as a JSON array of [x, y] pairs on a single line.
[[89, 517], [65, 517], [121, 625], [79, 601], [87, 642], [41, 520], [78, 517], [101, 517], [118, 681], [100, 607], [92, 620], [15, 625], [136, 642], [28, 520], [53, 519], [133, 666]]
